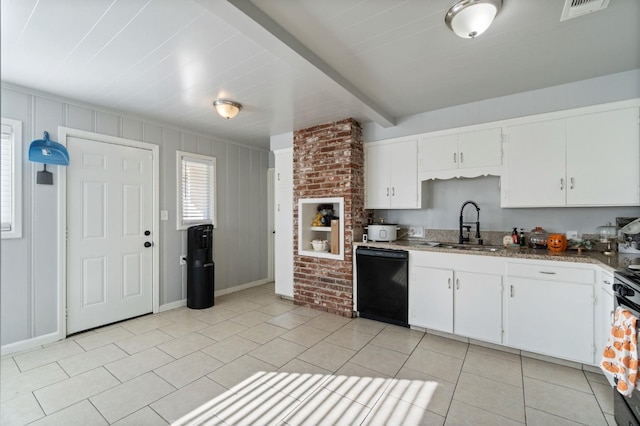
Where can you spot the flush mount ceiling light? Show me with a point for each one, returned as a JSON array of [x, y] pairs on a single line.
[[226, 108], [470, 18]]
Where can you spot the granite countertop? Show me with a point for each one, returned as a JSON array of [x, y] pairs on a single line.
[[612, 263]]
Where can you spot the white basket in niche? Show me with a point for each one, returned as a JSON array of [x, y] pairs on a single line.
[[320, 245]]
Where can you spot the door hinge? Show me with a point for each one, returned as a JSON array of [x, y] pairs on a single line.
[[593, 348]]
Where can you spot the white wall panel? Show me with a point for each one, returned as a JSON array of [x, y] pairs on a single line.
[[232, 206], [29, 287], [17, 285], [222, 234], [173, 285], [131, 129], [152, 133], [49, 114], [205, 146], [190, 143], [81, 118], [107, 124], [243, 211]]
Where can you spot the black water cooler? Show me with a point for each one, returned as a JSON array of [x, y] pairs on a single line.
[[200, 267]]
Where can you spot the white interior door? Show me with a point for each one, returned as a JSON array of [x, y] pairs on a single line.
[[109, 225]]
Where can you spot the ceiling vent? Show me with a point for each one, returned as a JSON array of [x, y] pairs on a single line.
[[574, 8]]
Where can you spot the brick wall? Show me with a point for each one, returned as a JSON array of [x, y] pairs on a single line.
[[328, 161]]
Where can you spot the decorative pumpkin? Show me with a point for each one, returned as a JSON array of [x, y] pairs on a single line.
[[557, 242]]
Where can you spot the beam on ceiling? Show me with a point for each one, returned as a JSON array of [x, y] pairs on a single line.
[[243, 15]]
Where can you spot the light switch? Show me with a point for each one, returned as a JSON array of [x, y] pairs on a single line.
[[164, 215]]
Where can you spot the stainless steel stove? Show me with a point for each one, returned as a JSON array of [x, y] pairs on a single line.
[[626, 287]]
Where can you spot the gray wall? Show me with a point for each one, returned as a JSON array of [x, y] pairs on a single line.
[[446, 196], [29, 265]]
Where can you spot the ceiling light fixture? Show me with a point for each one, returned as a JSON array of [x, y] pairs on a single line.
[[470, 18], [226, 108]]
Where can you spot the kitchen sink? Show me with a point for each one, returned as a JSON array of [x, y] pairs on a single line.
[[469, 247]]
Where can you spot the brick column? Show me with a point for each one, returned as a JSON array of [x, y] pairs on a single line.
[[328, 161]]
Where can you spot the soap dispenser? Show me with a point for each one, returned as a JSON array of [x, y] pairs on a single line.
[[514, 236]]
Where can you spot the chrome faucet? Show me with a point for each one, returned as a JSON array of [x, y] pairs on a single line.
[[461, 237]]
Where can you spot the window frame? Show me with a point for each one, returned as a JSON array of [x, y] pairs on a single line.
[[16, 179], [181, 224]]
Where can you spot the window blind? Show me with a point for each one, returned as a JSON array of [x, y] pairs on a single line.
[[197, 190]]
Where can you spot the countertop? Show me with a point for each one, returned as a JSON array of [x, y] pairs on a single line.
[[611, 263]]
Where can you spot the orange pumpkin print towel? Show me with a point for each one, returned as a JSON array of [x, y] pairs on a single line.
[[620, 357]]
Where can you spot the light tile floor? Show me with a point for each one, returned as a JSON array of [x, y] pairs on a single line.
[[255, 358]]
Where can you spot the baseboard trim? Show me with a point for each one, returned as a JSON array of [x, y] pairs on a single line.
[[241, 287], [27, 344], [172, 305]]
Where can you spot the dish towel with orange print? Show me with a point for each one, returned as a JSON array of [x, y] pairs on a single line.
[[620, 357]]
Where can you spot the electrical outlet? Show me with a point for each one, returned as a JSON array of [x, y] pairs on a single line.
[[416, 232], [572, 235], [164, 215], [183, 260]]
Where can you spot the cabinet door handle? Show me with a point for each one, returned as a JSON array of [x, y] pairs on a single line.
[[607, 282], [571, 183], [393, 191], [461, 157], [457, 284], [611, 315], [278, 176], [454, 157], [561, 184], [547, 272], [511, 291], [387, 191], [449, 281], [278, 206]]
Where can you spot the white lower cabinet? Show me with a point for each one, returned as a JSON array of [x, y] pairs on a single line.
[[477, 310], [453, 301], [550, 310], [431, 298]]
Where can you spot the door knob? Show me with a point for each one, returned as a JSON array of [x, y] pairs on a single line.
[[147, 244], [147, 233]]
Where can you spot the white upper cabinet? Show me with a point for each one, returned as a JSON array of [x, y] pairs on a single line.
[[534, 170], [391, 180], [603, 158], [468, 154], [582, 160]]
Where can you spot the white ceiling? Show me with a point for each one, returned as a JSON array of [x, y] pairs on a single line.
[[293, 64]]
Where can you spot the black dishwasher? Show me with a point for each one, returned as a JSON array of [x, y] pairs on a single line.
[[382, 280]]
